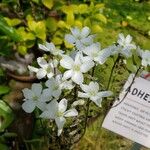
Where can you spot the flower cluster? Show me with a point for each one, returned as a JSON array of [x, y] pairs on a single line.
[[66, 72]]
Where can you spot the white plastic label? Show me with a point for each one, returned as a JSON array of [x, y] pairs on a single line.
[[131, 117]]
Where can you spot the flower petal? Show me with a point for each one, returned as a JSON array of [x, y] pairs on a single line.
[[97, 101], [28, 106], [59, 132], [85, 88], [84, 95], [94, 86], [75, 32], [68, 74], [36, 88], [85, 32], [60, 121], [50, 46], [28, 94], [71, 113], [41, 73], [77, 77], [66, 62], [50, 75], [90, 50], [105, 93], [86, 66], [62, 106], [43, 47], [52, 109], [32, 69], [56, 93], [128, 39], [49, 83], [70, 39], [42, 62], [46, 114], [126, 52], [41, 105]]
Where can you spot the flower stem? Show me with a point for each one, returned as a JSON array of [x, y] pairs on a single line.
[[112, 70], [128, 89]]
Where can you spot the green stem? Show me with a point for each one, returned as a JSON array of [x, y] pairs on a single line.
[[87, 110], [112, 70], [128, 87]]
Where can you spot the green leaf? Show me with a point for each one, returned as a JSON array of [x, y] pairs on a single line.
[[9, 31], [51, 24], [4, 89], [61, 24], [25, 35], [6, 115], [83, 8], [130, 66], [3, 147], [22, 49], [57, 40], [100, 17], [78, 23], [87, 22], [38, 28], [48, 3], [70, 18], [101, 5], [12, 22], [96, 28]]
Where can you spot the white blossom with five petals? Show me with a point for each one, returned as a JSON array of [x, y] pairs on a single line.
[[47, 68], [95, 53], [145, 55], [34, 98], [76, 67], [57, 111], [80, 38], [91, 91], [53, 88], [50, 47], [124, 45]]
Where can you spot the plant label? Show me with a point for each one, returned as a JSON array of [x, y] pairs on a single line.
[[130, 115]]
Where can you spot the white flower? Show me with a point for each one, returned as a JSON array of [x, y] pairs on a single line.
[[47, 68], [34, 98], [117, 49], [95, 53], [80, 38], [53, 88], [50, 47], [63, 83], [124, 45], [91, 91], [57, 111], [75, 67], [145, 55], [146, 58]]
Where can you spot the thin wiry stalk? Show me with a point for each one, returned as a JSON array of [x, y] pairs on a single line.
[[111, 73]]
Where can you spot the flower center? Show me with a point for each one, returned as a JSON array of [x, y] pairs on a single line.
[[55, 87], [35, 98], [59, 114], [48, 69], [76, 67], [94, 54], [92, 93]]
